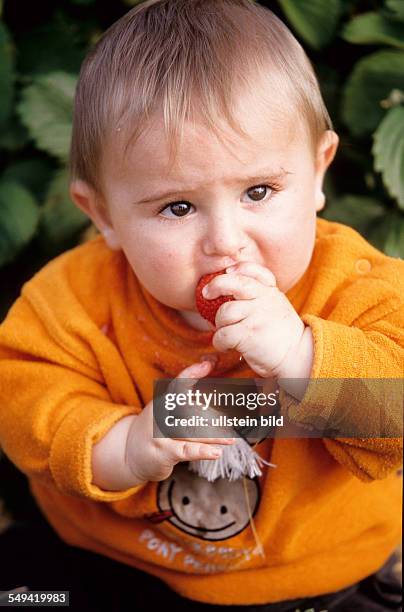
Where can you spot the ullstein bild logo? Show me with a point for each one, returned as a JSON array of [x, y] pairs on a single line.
[[259, 408]]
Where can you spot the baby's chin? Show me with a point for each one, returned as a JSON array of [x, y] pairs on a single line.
[[195, 320]]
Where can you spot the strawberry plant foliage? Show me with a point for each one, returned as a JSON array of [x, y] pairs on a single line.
[[46, 111], [388, 150], [19, 215], [316, 21]]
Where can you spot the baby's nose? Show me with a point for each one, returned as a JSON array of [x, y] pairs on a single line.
[[224, 237]]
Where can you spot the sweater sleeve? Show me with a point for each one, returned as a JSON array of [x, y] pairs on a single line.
[[54, 402], [344, 356]]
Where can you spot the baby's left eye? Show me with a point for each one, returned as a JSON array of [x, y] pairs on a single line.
[[258, 191]]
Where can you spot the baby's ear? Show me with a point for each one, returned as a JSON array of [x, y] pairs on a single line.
[[326, 151], [85, 198], [94, 206]]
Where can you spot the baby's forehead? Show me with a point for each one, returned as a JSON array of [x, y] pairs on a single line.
[[262, 136]]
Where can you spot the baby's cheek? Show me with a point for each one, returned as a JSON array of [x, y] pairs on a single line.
[[171, 270], [165, 262]]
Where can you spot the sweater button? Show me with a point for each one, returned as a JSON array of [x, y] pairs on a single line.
[[363, 266]]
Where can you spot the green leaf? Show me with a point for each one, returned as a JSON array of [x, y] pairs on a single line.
[[19, 215], [371, 82], [60, 218], [388, 151], [33, 174], [373, 28], [396, 7], [46, 110], [359, 212], [315, 21], [6, 74], [388, 235]]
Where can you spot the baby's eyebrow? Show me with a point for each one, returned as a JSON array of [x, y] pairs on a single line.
[[262, 175]]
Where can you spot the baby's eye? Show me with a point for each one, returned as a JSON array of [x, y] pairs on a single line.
[[178, 209], [258, 192]]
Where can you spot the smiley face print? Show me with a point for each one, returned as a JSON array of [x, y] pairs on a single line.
[[208, 510]]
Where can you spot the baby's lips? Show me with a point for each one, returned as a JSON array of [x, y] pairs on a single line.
[[208, 308]]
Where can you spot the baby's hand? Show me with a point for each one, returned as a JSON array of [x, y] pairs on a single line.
[[260, 322], [153, 459]]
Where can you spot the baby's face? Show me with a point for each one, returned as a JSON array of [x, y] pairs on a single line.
[[254, 200]]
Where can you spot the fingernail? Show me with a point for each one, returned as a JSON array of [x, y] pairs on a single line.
[[231, 268], [205, 292], [203, 365], [213, 359], [215, 453]]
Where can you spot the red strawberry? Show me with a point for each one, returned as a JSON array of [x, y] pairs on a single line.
[[208, 308]]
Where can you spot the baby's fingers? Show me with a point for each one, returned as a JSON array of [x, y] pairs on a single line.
[[192, 451], [208, 440], [188, 377]]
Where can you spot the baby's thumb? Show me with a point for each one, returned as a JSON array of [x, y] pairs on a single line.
[[196, 370], [187, 378], [205, 365]]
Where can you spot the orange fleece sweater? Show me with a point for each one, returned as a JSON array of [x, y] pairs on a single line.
[[80, 349]]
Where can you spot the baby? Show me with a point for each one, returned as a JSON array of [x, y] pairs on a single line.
[[200, 144]]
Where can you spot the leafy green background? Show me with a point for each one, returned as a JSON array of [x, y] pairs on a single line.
[[357, 47]]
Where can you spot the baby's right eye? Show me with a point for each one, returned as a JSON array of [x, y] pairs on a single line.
[[179, 209]]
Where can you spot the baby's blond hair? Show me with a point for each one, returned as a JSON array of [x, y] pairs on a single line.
[[188, 58]]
